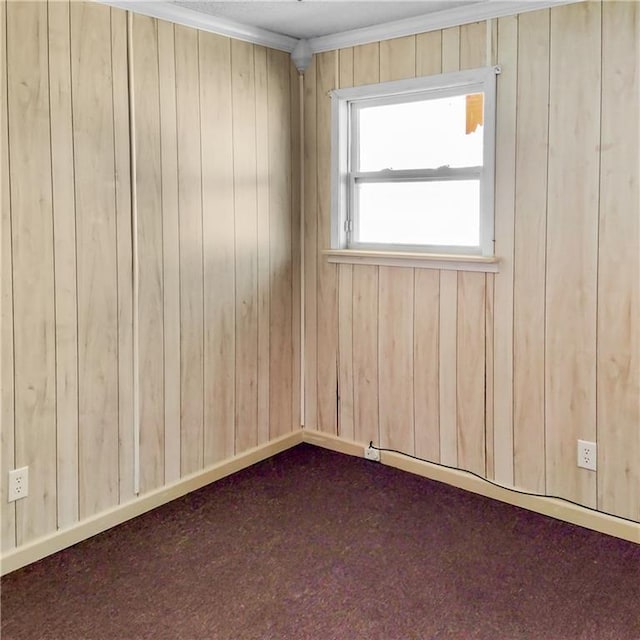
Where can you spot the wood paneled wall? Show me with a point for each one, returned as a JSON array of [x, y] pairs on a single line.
[[500, 374], [215, 226]]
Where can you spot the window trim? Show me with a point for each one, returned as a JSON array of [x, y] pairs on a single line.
[[343, 144]]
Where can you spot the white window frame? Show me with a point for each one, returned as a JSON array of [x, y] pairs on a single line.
[[346, 104]]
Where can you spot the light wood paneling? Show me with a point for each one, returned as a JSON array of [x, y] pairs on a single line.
[[191, 275], [345, 352], [64, 233], [572, 247], [481, 363], [32, 261], [471, 371], [365, 354], [504, 225], [150, 266], [366, 63], [327, 311], [67, 261], [618, 338], [124, 250], [473, 45], [96, 246], [529, 250], [310, 205], [7, 424], [263, 135], [295, 83], [395, 358], [451, 49], [398, 58], [244, 162], [219, 247], [170, 248], [426, 387], [489, 446], [448, 356], [280, 265], [345, 73], [429, 53]]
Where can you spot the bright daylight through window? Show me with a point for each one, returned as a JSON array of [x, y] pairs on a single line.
[[413, 165]]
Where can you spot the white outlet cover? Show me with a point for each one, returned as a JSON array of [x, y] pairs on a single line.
[[18, 484], [372, 454], [587, 455]]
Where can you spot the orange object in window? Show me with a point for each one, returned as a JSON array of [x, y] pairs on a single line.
[[475, 111]]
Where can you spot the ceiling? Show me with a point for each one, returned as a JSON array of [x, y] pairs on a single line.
[[314, 18]]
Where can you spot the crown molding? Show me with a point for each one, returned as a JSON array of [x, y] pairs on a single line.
[[198, 20], [484, 10]]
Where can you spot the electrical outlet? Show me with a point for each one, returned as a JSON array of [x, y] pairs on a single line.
[[587, 455], [372, 454], [18, 484]]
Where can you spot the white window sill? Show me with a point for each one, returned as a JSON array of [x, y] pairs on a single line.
[[447, 262]]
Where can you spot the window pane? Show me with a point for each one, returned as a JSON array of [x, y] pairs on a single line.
[[420, 213], [422, 135]]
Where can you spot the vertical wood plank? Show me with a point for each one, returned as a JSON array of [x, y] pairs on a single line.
[[448, 367], [473, 45], [426, 387], [244, 165], [121, 137], [219, 247], [262, 107], [618, 339], [395, 358], [280, 267], [32, 255], [96, 254], [365, 354], [429, 53], [471, 371], [170, 248], [149, 233], [398, 58], [327, 310], [450, 49], [529, 250], [345, 352], [296, 248], [310, 247], [504, 227], [191, 276], [345, 74], [572, 238], [488, 390], [64, 232], [366, 64], [7, 422]]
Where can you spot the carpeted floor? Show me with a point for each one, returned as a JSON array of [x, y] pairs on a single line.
[[317, 545]]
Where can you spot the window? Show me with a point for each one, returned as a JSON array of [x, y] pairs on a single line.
[[413, 165]]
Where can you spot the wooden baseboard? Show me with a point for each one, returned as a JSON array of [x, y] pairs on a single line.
[[559, 509], [63, 538]]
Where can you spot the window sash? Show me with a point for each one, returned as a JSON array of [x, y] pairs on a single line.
[[352, 223]]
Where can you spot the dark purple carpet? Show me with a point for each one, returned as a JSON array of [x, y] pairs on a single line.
[[317, 545]]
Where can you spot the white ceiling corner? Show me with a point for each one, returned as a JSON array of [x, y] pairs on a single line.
[[326, 24]]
